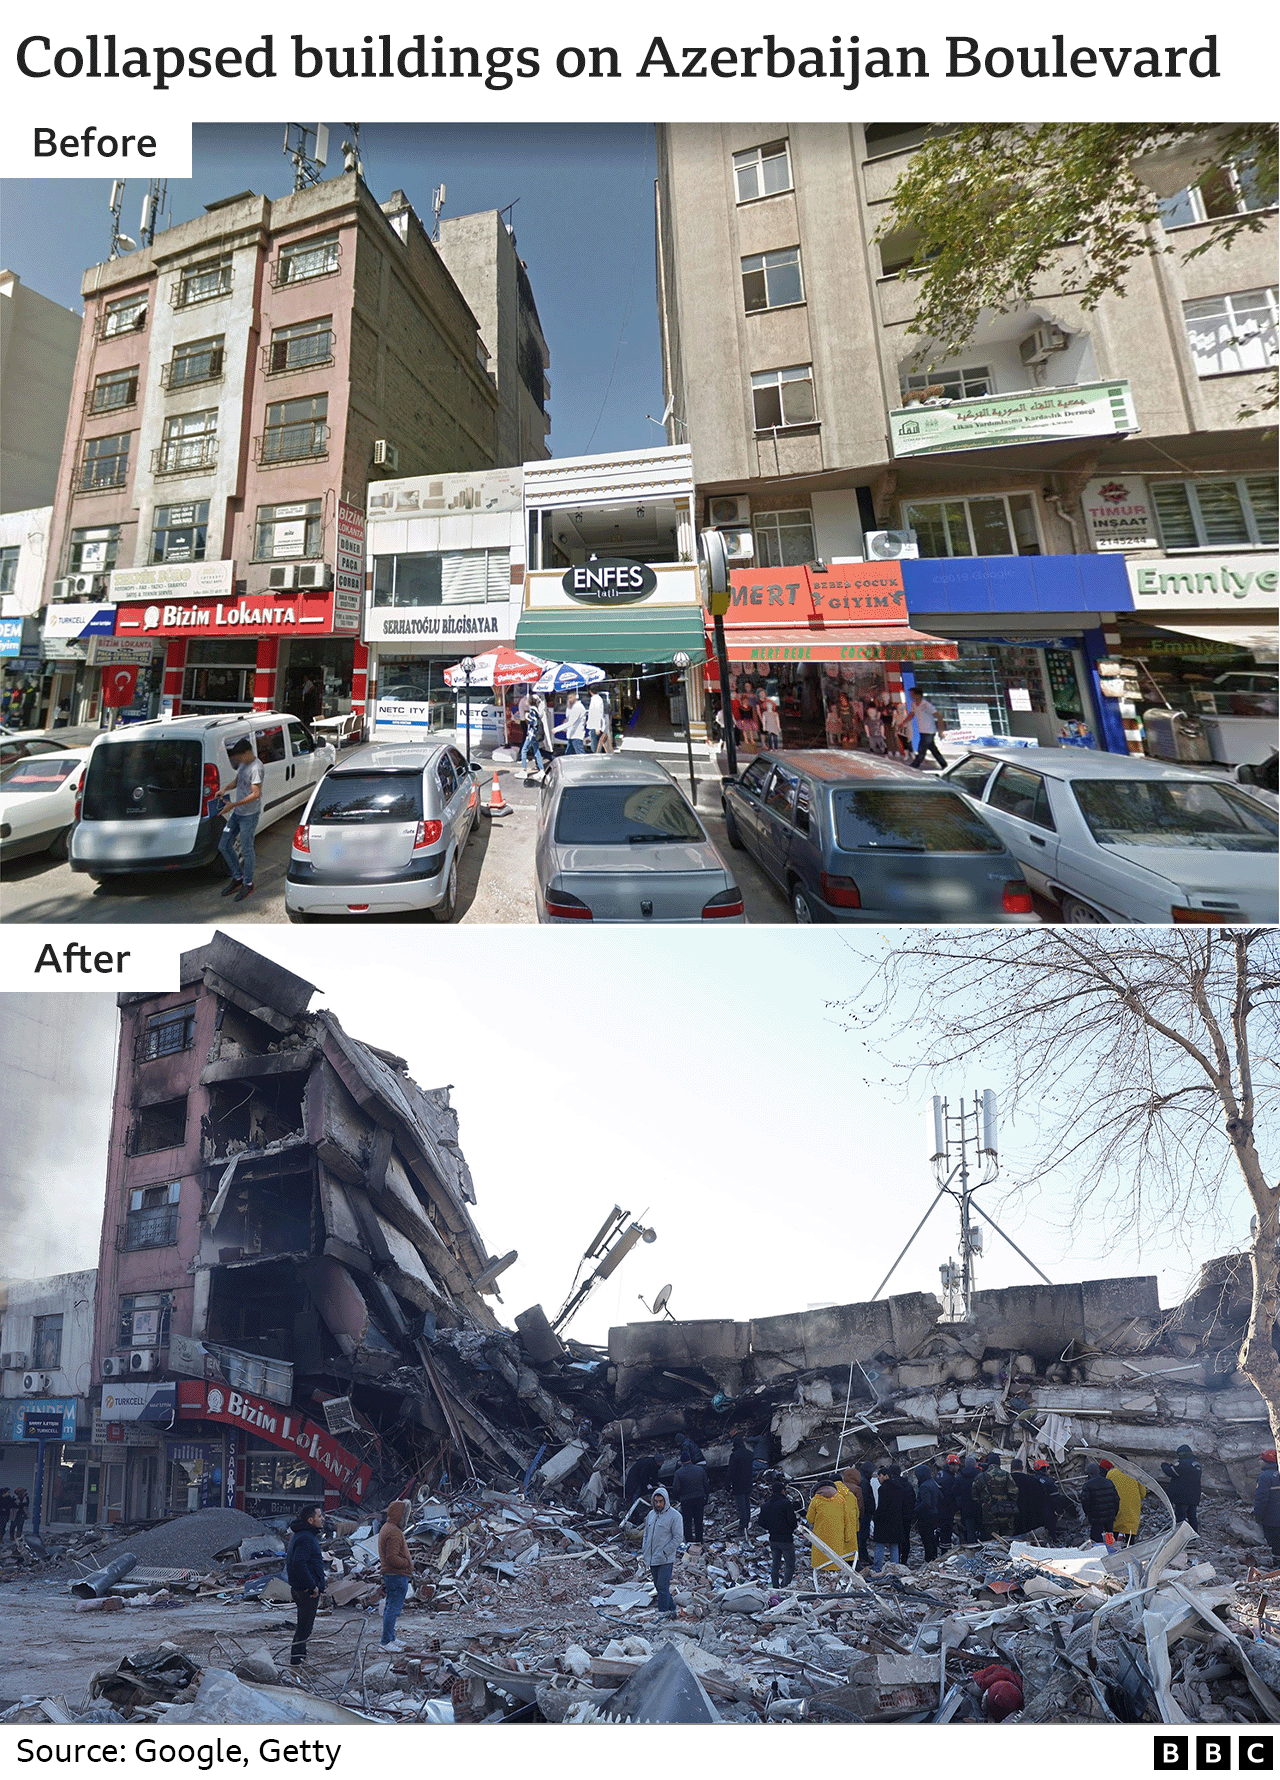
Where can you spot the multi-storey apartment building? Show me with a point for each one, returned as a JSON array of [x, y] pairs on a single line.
[[239, 383], [46, 1363], [1093, 507]]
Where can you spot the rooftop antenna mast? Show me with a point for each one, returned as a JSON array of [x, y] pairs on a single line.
[[119, 243], [608, 1248], [307, 146], [351, 162], [153, 209], [437, 205]]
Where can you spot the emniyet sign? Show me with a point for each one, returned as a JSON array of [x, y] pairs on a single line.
[[609, 581], [846, 593], [1030, 416], [287, 1428], [1118, 513], [1186, 583], [252, 615], [174, 580]]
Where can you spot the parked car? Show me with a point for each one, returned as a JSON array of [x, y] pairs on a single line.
[[38, 802], [1114, 837], [1262, 777], [383, 833], [619, 841], [23, 744], [854, 837], [151, 789]]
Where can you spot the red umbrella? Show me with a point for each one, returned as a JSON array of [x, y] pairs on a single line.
[[499, 667]]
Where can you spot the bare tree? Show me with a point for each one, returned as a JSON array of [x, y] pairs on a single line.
[[1147, 1058]]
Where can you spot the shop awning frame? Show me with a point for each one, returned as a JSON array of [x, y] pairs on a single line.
[[836, 643]]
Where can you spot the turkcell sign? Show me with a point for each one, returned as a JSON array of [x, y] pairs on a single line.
[[609, 580]]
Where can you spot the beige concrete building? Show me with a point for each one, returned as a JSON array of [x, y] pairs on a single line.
[[38, 340]]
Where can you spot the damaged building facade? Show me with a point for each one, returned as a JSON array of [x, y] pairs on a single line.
[[292, 1285]]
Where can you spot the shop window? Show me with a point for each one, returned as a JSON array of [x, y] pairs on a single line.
[[772, 280], [1235, 332], [152, 1219], [195, 361], [9, 566], [307, 259], [46, 1343], [106, 462], [1233, 190], [164, 1035], [956, 385], [219, 675], [1216, 513], [783, 398], [179, 533], [94, 549], [127, 315], [290, 530], [981, 525], [190, 443], [268, 743], [448, 577], [202, 282], [160, 1127], [144, 1319], [114, 389], [760, 172], [295, 430], [1022, 794], [305, 343]]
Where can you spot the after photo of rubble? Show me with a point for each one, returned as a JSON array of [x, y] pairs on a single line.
[[285, 1457]]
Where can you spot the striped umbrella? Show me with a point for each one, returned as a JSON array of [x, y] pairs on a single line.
[[498, 667], [567, 676]]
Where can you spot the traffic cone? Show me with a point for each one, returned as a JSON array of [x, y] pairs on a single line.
[[498, 805]]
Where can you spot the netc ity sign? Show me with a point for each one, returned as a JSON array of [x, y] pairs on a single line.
[[203, 1400]]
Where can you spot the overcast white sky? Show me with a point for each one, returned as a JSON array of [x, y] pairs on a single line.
[[699, 1081]]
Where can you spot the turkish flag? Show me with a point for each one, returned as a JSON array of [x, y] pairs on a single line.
[[119, 686]]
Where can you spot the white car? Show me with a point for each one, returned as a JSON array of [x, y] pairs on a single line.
[[38, 802], [1111, 837]]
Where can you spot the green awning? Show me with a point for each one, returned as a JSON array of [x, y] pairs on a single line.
[[622, 635]]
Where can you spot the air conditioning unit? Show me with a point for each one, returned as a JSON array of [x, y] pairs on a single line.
[[314, 575], [386, 455], [339, 1416], [739, 547], [35, 1384], [728, 510], [284, 576], [115, 1366], [12, 1362], [80, 587], [1041, 342], [144, 1359], [891, 546]]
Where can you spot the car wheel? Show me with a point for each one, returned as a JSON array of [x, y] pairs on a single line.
[[57, 848], [299, 917], [447, 908], [731, 829], [1079, 914], [801, 907]]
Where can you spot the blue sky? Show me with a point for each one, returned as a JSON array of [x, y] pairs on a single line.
[[583, 215]]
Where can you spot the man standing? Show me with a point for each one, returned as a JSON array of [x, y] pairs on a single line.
[[397, 1570], [305, 1571], [1100, 1502], [928, 1510], [1183, 1487], [575, 724], [892, 1512], [689, 1487], [242, 805], [949, 1500], [997, 1499], [1055, 1503], [1266, 1501], [927, 723], [21, 1504], [6, 1509], [595, 723], [660, 1547], [741, 1470], [1031, 1498], [778, 1518], [1132, 1494]]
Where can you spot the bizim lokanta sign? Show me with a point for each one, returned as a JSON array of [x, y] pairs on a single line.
[[254, 614], [1028, 417], [287, 1428]]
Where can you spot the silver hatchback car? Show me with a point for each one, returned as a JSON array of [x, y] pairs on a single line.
[[383, 832], [619, 841]]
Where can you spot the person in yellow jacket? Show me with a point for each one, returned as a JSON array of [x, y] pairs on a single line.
[[1132, 1494], [833, 1515]]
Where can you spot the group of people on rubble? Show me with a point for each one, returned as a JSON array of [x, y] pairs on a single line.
[[15, 1505]]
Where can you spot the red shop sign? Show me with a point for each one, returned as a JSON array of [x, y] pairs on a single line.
[[285, 614], [845, 593], [204, 1400]]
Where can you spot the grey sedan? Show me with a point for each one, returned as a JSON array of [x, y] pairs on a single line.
[[619, 841]]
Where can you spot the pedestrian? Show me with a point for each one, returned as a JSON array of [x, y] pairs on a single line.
[[689, 1487], [21, 1508], [642, 1478], [689, 1449], [397, 1571], [833, 1515], [1055, 1503], [928, 727], [532, 733], [970, 1512], [1100, 1502], [1031, 1498], [1266, 1501], [575, 724], [1132, 1495], [928, 1510], [894, 1503], [308, 704], [996, 1498], [660, 1547], [741, 1470], [595, 722], [305, 1573], [243, 810], [779, 1520], [1183, 1487], [949, 1500], [6, 1509]]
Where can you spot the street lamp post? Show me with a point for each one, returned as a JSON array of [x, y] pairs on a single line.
[[468, 668], [681, 660]]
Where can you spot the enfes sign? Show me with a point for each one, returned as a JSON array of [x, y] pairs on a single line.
[[286, 1427]]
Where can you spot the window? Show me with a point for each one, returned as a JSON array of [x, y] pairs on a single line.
[[308, 259], [268, 744], [760, 172], [958, 385], [783, 398], [1170, 813], [447, 777], [42, 772], [616, 815], [196, 361], [114, 389], [199, 283], [190, 443], [368, 797], [160, 1127], [179, 533], [152, 1220], [295, 429], [772, 280], [1227, 191], [306, 343], [94, 549], [889, 139], [9, 566], [1231, 333], [905, 819], [803, 819], [1023, 794], [106, 462], [442, 578], [144, 1319], [299, 739], [1215, 514], [754, 777], [781, 792], [784, 539], [289, 530], [127, 315], [46, 1343], [971, 775], [166, 1033], [982, 525], [167, 769]]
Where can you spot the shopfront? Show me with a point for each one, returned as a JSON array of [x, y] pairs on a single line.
[[269, 1459], [71, 688], [20, 661], [43, 1450]]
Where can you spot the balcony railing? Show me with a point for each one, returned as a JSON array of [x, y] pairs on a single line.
[[292, 444], [184, 457], [101, 475], [183, 373], [305, 263], [261, 1377], [124, 394], [200, 287], [277, 358], [165, 1040], [149, 1229], [111, 325]]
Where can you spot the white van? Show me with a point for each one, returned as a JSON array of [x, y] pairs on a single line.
[[150, 790]]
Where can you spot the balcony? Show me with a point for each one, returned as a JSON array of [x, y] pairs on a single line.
[[184, 457], [200, 285], [157, 1228], [291, 444], [166, 1038], [113, 397], [300, 265], [100, 476], [279, 357], [185, 373], [255, 1373]]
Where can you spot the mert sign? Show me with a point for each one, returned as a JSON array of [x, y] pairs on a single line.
[[609, 581], [253, 615], [845, 593], [287, 1428]]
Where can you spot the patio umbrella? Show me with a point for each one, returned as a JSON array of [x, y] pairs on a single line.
[[499, 667], [566, 676]]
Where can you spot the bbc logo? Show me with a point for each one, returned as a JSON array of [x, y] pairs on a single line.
[[1253, 1753]]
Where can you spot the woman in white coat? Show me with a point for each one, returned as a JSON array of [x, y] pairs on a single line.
[[663, 1534]]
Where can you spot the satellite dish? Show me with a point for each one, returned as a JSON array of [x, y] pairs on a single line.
[[660, 1301]]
